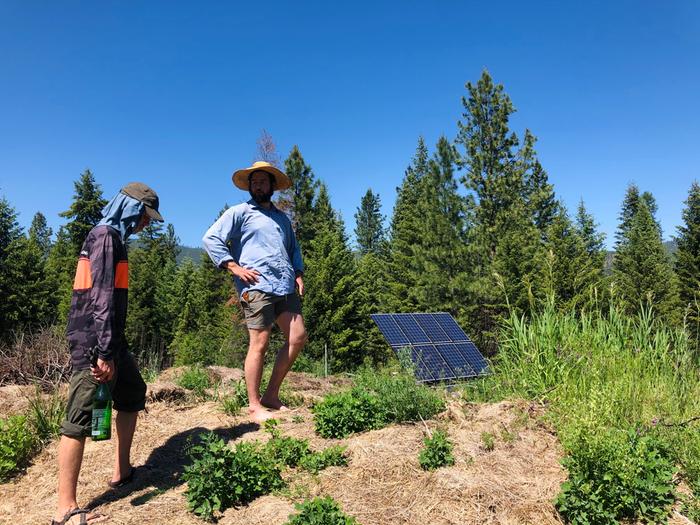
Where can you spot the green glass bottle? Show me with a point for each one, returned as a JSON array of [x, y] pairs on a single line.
[[102, 413]]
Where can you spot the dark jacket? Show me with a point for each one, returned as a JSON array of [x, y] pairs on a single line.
[[97, 316]]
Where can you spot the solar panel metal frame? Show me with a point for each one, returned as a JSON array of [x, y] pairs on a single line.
[[439, 348]]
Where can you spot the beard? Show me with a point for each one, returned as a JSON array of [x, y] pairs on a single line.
[[261, 197]]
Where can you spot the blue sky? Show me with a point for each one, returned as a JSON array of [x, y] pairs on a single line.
[[176, 93]]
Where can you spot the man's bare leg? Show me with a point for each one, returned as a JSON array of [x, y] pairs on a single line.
[[254, 361], [70, 458], [126, 425], [292, 326]]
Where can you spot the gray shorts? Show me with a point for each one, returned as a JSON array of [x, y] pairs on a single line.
[[261, 309]]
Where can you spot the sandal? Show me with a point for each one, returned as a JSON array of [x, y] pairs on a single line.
[[124, 481], [75, 512]]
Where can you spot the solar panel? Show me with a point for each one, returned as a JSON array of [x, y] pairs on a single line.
[[450, 326], [456, 360], [391, 331], [434, 361], [430, 326], [409, 326], [438, 347]]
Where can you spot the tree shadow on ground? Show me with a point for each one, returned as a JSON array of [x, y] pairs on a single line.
[[164, 467]]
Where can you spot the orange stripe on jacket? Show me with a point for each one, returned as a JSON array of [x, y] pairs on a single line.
[[83, 277], [121, 277]]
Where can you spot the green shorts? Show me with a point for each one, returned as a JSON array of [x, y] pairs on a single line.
[[261, 309], [128, 392]]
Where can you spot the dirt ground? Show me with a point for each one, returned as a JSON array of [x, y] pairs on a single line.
[[514, 482]]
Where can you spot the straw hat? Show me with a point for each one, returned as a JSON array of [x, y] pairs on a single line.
[[240, 177]]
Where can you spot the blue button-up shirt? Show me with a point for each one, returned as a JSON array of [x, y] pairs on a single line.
[[257, 239]]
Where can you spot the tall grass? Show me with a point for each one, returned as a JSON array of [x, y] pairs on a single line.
[[604, 375]]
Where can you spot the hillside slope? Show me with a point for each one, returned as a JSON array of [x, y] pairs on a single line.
[[515, 482]]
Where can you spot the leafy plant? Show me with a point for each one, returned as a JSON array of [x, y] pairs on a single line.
[[615, 475], [197, 380], [16, 445], [220, 477], [401, 398], [333, 456], [379, 398], [287, 450], [488, 441], [344, 413], [320, 511], [437, 452]]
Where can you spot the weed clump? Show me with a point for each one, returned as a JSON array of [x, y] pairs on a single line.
[[221, 477], [437, 452], [197, 380], [615, 475], [17, 444], [320, 511], [378, 399]]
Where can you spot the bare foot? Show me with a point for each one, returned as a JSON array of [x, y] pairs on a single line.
[[273, 403], [259, 415]]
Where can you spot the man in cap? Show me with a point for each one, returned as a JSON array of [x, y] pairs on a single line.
[[255, 242], [99, 352]]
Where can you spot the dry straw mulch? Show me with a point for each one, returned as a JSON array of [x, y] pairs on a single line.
[[514, 483]]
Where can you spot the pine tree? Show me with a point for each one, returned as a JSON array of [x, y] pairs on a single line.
[[370, 296], [302, 192], [331, 299], [538, 192], [688, 261], [404, 243], [85, 211], [369, 225], [10, 233], [574, 274], [642, 271], [40, 233], [60, 270], [33, 298], [154, 251], [592, 239], [441, 255], [630, 205], [489, 158], [511, 195]]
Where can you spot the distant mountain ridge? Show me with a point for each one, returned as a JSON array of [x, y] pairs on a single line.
[[188, 252]]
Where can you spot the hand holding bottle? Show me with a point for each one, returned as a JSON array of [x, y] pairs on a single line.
[[102, 370]]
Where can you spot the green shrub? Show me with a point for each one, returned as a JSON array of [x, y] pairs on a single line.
[[437, 452], [344, 413], [333, 456], [379, 398], [16, 445], [45, 416], [401, 397], [488, 440], [220, 477], [320, 511], [616, 475], [287, 450], [197, 380]]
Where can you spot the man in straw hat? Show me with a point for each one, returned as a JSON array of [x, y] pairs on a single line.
[[256, 243], [99, 352]]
